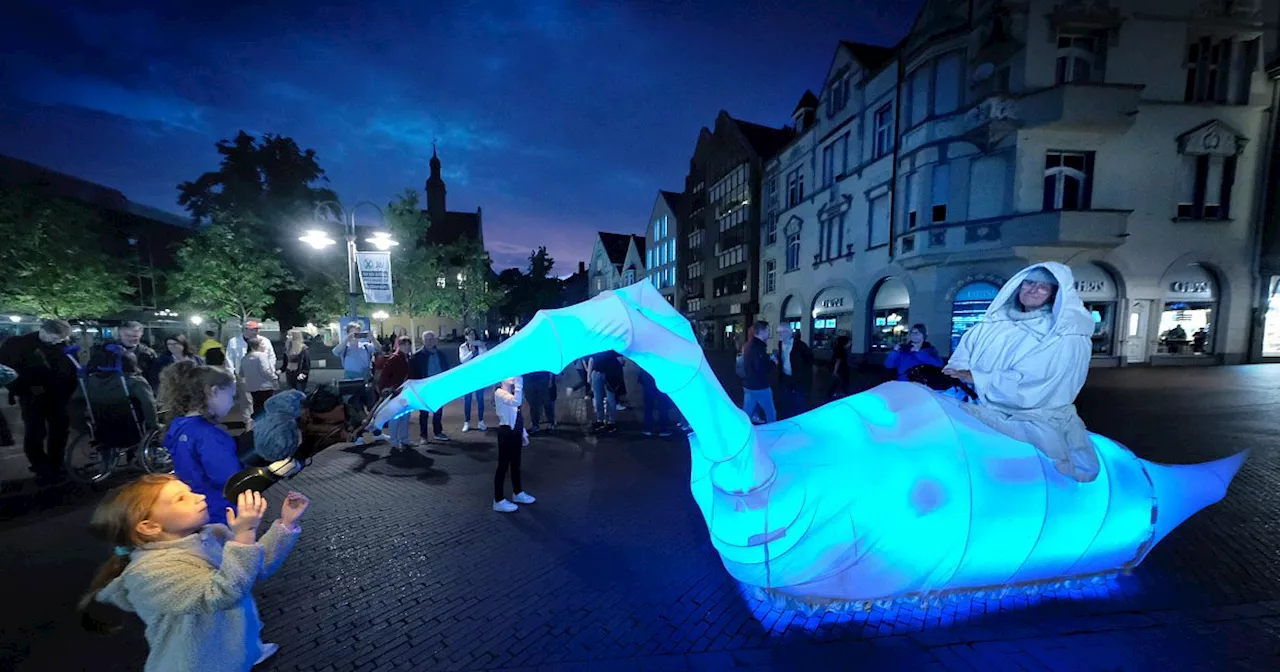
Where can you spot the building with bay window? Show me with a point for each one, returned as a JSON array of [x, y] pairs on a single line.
[[661, 236], [1123, 138], [617, 260]]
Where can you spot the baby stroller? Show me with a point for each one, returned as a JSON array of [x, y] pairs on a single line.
[[112, 431]]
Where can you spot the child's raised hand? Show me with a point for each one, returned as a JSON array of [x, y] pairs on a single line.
[[250, 508], [294, 505]]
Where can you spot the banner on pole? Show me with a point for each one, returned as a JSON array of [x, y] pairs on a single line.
[[375, 276]]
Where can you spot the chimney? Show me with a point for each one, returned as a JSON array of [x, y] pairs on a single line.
[[582, 267]]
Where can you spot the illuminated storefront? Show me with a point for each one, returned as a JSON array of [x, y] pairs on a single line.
[[1101, 295], [1271, 323], [1187, 320], [969, 306], [832, 317], [890, 315]]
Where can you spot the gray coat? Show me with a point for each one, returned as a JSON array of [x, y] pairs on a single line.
[[194, 595]]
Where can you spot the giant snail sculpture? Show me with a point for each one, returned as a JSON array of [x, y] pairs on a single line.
[[892, 494]]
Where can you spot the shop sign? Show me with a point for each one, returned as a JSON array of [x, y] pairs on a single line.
[[1202, 287], [833, 300], [1093, 283], [1193, 283]]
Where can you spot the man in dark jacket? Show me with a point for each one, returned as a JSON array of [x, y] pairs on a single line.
[[795, 372], [427, 362], [757, 368], [46, 381], [129, 335]]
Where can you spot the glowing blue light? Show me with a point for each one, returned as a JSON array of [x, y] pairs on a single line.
[[889, 495]]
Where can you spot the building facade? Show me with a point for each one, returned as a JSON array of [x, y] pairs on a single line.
[[720, 216], [1124, 139], [617, 260], [661, 251]]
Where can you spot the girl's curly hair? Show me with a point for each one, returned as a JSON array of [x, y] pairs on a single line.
[[184, 386]]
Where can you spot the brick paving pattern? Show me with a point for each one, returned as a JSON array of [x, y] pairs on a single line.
[[402, 565]]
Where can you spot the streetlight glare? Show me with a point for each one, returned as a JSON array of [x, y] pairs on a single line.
[[317, 239], [197, 320], [382, 240], [15, 319], [381, 315]]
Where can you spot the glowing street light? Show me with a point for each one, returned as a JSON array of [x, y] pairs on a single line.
[[15, 318], [382, 240], [317, 239], [197, 320]]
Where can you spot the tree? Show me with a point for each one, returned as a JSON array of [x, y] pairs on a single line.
[[53, 259], [228, 270], [276, 183], [527, 293]]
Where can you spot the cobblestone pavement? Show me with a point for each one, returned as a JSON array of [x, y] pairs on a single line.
[[402, 565]]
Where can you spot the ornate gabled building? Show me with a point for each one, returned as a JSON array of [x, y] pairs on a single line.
[[617, 260], [1121, 137]]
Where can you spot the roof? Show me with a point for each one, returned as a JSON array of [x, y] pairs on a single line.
[[640, 244], [869, 55], [672, 198], [615, 245], [453, 227], [14, 171], [807, 102], [765, 141]]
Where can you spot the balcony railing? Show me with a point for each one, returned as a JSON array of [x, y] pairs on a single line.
[[1085, 229]]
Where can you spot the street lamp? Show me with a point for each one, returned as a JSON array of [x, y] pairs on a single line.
[[197, 320], [317, 238], [381, 316], [15, 318]]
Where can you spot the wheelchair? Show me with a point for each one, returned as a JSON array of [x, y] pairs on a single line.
[[111, 438]]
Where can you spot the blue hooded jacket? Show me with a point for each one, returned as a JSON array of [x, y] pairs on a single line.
[[204, 457]]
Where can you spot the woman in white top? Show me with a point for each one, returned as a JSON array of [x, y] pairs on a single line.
[[257, 374], [506, 400], [470, 349]]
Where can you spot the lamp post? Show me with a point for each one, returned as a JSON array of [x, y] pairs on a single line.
[[381, 316], [319, 239]]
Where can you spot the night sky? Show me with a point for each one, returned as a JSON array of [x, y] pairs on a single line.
[[558, 118]]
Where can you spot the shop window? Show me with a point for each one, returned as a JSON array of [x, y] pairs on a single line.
[[1186, 328], [889, 327], [970, 305], [1271, 323], [827, 329], [1104, 318]]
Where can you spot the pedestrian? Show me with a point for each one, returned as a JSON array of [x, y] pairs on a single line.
[[471, 348], [297, 362], [757, 368], [129, 335], [45, 382], [429, 361], [191, 582], [605, 369], [395, 370], [204, 454], [539, 387], [507, 399], [656, 403], [177, 349], [210, 342], [840, 374], [237, 348], [916, 351], [258, 375], [795, 372], [7, 376], [356, 354]]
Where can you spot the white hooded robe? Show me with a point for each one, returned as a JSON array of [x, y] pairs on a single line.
[[1028, 368]]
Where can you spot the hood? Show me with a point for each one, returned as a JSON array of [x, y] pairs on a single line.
[[1069, 314], [288, 402], [116, 593]]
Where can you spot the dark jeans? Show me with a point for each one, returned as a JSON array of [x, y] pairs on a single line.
[[478, 395], [509, 441], [437, 423], [45, 427], [540, 403], [655, 402], [792, 400]]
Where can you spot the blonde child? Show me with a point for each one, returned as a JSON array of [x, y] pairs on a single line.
[[190, 582]]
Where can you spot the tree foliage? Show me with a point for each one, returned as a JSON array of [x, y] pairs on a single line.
[[528, 292], [53, 260], [228, 270]]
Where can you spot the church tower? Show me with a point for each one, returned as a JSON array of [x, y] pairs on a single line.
[[435, 189]]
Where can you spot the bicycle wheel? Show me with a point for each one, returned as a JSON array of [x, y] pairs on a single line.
[[153, 456], [86, 462]]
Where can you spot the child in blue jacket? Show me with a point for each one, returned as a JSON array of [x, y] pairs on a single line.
[[204, 454]]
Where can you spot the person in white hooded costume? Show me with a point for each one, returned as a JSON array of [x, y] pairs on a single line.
[[1028, 358]]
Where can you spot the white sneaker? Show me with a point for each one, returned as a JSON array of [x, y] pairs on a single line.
[[505, 507], [268, 650], [466, 427], [482, 427], [523, 498]]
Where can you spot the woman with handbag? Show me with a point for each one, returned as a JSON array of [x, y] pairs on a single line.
[[297, 362]]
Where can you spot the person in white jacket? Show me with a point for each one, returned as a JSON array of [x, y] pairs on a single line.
[[1028, 358], [471, 348], [238, 347], [507, 399]]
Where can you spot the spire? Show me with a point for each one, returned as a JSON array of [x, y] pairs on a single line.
[[435, 187]]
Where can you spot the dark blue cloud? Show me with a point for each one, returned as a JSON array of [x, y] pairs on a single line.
[[560, 118]]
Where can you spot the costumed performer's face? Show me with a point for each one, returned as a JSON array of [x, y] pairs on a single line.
[[1033, 294]]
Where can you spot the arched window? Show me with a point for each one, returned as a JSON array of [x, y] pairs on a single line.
[[1068, 178], [971, 303]]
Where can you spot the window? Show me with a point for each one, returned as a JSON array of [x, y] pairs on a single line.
[[884, 130], [770, 276], [828, 165], [729, 285], [940, 189], [838, 95], [947, 81], [695, 240], [1079, 58], [771, 231], [693, 305], [1068, 178], [878, 226], [793, 251], [842, 156], [795, 187], [1206, 187], [629, 277], [911, 198], [732, 256], [599, 284], [1220, 71], [695, 269], [915, 105]]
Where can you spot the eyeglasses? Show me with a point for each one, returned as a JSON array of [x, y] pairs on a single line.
[[1042, 287]]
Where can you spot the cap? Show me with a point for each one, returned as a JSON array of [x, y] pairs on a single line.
[[251, 324]]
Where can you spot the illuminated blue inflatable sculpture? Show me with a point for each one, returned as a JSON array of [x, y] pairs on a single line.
[[894, 493]]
